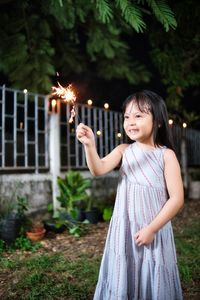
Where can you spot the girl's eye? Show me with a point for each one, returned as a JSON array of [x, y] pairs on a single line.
[[138, 116], [126, 117]]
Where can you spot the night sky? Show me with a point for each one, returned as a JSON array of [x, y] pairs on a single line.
[[115, 91]]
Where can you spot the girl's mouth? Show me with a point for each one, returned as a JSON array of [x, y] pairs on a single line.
[[133, 131]]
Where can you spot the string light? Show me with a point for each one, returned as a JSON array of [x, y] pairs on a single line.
[[98, 132], [170, 121], [89, 102], [106, 105], [119, 135], [53, 104], [25, 91], [184, 125]]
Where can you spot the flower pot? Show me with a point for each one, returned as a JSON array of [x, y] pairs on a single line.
[[51, 226], [93, 216], [81, 215], [36, 234], [10, 228]]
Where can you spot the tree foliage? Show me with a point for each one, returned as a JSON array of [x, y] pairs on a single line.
[[177, 57], [41, 37]]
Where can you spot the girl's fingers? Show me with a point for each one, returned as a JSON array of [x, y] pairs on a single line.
[[136, 235], [83, 126], [137, 239], [82, 129]]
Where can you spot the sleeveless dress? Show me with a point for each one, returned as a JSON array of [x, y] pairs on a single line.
[[130, 272]]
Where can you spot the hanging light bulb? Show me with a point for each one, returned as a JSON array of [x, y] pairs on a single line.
[[184, 125], [98, 132], [25, 91], [170, 121], [89, 102], [53, 104], [106, 105], [119, 135]]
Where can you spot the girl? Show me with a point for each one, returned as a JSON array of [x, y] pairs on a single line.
[[139, 260]]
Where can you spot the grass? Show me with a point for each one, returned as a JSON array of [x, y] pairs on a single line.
[[50, 277], [188, 251], [55, 276]]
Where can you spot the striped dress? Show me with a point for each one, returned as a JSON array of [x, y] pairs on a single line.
[[130, 272]]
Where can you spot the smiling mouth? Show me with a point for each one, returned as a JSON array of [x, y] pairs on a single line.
[[133, 131]]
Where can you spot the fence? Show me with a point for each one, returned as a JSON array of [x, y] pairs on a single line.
[[23, 131], [107, 126], [25, 128]]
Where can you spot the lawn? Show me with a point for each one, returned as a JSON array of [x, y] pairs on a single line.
[[67, 268]]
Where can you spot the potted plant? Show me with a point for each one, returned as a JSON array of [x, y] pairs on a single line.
[[12, 217], [36, 232], [92, 213], [73, 192], [54, 223]]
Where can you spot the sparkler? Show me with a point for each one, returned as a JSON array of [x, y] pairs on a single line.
[[67, 95]]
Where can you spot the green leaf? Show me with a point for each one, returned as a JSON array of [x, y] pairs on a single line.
[[104, 10], [132, 14], [163, 13]]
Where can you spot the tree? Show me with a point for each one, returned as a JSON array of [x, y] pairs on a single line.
[[177, 57], [74, 37]]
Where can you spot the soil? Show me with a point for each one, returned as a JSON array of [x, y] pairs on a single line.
[[93, 241]]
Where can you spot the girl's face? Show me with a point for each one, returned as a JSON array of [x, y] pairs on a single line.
[[138, 125]]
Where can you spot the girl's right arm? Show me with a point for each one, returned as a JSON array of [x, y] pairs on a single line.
[[96, 165]]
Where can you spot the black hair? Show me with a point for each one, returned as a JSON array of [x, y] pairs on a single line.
[[148, 101]]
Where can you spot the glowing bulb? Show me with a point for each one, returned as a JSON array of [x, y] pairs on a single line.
[[25, 91], [53, 103], [184, 125], [171, 122], [106, 105], [89, 102], [98, 132], [119, 134]]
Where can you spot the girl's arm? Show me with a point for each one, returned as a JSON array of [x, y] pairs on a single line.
[[172, 206], [96, 165]]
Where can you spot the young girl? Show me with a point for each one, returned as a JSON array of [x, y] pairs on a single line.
[[139, 260]]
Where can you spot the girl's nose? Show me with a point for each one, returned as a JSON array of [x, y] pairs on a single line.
[[131, 121]]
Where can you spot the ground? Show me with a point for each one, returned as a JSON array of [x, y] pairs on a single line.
[[93, 241]]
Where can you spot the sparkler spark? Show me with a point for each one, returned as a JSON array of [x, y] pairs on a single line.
[[67, 95]]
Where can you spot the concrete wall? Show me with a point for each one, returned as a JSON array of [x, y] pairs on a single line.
[[37, 188]]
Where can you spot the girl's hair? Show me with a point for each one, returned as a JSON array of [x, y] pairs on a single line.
[[148, 101]]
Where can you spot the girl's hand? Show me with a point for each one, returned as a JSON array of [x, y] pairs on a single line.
[[144, 236], [85, 135]]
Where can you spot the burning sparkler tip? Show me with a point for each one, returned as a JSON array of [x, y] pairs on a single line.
[[66, 94]]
